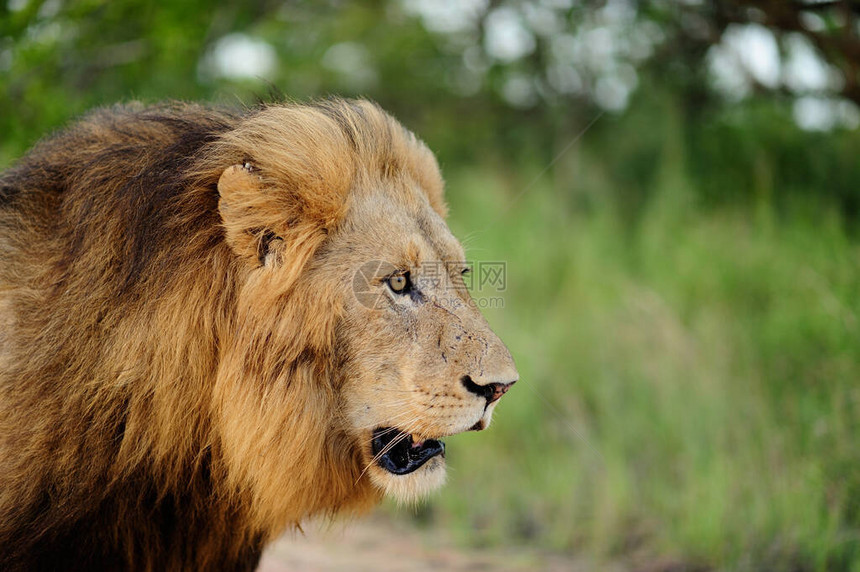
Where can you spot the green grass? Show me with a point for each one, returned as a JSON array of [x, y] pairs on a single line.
[[690, 384]]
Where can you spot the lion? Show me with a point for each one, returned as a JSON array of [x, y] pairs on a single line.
[[217, 323]]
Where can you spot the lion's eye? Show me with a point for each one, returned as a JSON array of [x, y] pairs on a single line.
[[399, 283]]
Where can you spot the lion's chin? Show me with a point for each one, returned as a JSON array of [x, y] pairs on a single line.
[[404, 466], [414, 486]]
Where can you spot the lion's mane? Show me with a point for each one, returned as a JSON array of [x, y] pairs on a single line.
[[160, 408]]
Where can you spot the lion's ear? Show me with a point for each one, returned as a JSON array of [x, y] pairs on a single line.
[[272, 222], [250, 217]]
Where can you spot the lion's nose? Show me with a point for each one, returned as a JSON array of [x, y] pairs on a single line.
[[489, 391]]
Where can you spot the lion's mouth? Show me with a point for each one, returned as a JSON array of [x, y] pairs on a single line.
[[397, 452]]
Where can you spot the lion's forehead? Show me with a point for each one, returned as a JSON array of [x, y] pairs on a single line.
[[398, 232]]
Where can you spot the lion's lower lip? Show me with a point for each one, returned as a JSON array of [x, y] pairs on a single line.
[[397, 453]]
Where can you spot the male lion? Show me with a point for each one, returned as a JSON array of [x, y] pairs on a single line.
[[216, 323]]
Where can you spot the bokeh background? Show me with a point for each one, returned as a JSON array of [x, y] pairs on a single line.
[[674, 188]]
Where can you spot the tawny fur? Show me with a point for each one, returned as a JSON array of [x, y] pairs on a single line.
[[183, 372]]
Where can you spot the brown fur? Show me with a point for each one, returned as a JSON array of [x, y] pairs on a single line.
[[184, 368]]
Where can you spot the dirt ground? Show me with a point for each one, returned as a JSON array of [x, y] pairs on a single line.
[[379, 544]]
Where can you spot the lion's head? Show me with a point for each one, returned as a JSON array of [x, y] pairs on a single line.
[[220, 323], [356, 345]]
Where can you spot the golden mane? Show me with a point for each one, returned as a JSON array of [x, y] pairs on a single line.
[[138, 345]]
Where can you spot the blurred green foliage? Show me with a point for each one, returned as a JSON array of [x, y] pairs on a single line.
[[689, 385], [683, 276]]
